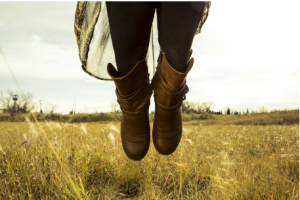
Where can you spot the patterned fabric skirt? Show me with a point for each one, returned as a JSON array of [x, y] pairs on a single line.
[[94, 42]]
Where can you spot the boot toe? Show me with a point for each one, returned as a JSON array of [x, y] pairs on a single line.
[[135, 151], [167, 146]]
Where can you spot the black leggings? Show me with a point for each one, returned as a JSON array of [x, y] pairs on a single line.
[[130, 26]]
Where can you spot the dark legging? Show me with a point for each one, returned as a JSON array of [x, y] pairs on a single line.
[[130, 26]]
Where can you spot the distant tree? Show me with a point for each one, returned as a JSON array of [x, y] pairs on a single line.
[[247, 111], [17, 103], [114, 107], [207, 106], [228, 111], [51, 108], [190, 107], [197, 107], [185, 107]]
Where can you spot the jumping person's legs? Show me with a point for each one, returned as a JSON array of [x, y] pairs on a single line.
[[130, 24], [177, 24]]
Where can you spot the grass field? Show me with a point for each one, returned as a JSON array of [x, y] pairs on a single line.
[[87, 162]]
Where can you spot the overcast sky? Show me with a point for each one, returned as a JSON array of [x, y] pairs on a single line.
[[246, 56]]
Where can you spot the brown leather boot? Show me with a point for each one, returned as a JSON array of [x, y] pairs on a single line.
[[169, 88], [133, 92]]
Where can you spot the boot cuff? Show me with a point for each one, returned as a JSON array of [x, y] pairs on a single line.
[[173, 78]]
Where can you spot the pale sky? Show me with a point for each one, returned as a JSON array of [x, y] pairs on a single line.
[[246, 56]]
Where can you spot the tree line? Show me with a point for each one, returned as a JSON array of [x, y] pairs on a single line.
[[15, 103], [190, 107]]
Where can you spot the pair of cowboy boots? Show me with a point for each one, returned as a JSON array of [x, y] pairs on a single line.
[[133, 93]]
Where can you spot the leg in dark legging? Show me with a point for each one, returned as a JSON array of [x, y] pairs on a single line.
[[130, 26], [177, 25]]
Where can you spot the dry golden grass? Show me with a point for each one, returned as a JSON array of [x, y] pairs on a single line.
[[212, 162]]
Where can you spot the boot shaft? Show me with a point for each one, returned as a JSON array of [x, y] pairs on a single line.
[[168, 84], [128, 84], [133, 90], [173, 78]]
